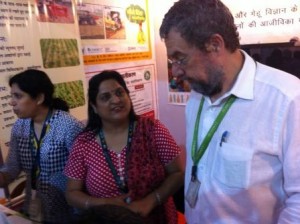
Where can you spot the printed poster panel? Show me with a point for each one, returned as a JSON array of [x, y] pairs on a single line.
[[40, 34], [114, 31], [268, 21], [140, 82]]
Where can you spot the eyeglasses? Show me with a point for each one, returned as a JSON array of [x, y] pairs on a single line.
[[179, 62], [105, 97]]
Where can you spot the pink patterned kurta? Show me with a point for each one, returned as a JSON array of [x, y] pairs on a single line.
[[152, 148]]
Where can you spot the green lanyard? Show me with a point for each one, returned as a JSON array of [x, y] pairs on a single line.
[[197, 155]]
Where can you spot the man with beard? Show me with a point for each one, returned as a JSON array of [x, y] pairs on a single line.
[[242, 122]]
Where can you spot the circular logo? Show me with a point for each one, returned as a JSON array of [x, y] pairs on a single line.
[[147, 75]]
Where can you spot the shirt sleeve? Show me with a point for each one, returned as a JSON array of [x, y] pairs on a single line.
[[291, 164], [74, 128], [75, 167], [166, 145], [12, 164]]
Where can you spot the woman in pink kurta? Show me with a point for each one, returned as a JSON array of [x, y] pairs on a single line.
[[146, 160]]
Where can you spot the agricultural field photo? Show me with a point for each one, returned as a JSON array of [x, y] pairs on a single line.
[[59, 52], [71, 92]]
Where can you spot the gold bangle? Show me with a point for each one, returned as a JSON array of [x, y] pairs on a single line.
[[158, 199]]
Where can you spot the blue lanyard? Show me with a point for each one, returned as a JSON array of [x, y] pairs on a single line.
[[35, 145]]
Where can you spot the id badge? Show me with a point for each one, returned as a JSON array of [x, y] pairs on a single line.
[[192, 192]]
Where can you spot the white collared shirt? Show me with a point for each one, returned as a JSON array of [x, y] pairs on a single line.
[[254, 177]]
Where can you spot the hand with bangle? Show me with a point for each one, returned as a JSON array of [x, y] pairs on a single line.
[[145, 205]]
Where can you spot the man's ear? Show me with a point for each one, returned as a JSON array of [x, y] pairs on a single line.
[[214, 43]]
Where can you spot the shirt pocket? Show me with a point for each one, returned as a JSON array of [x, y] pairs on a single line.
[[232, 166]]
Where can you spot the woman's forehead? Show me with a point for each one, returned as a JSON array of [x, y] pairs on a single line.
[[109, 85]]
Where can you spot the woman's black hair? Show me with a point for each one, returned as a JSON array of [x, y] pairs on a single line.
[[94, 122], [35, 82]]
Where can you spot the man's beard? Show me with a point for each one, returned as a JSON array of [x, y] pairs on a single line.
[[211, 87]]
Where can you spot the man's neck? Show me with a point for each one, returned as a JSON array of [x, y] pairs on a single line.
[[232, 67]]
